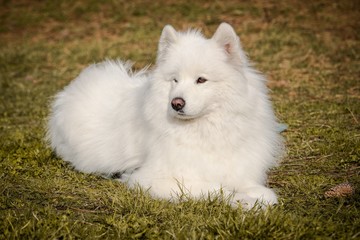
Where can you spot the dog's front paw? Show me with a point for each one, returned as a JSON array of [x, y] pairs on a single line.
[[259, 195]]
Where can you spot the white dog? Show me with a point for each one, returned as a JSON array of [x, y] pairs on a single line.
[[200, 122]]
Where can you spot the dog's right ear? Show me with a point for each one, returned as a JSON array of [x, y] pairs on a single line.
[[168, 37]]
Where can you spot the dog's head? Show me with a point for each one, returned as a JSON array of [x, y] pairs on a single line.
[[202, 72]]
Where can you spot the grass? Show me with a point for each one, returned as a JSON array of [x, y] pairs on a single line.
[[310, 53]]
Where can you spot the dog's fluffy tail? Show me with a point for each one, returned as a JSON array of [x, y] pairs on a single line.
[[91, 120]]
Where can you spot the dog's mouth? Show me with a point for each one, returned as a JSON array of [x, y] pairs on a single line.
[[183, 116]]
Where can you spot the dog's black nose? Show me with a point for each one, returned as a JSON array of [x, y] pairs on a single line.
[[178, 103]]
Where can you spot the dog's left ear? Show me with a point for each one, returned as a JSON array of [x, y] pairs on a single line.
[[226, 37], [168, 37]]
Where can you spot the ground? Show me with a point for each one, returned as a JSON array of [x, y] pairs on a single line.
[[310, 53]]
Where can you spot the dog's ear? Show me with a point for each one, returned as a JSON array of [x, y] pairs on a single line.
[[226, 38], [168, 37]]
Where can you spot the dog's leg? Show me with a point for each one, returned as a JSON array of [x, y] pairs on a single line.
[[251, 196]]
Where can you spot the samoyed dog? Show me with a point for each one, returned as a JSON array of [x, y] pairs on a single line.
[[199, 123]]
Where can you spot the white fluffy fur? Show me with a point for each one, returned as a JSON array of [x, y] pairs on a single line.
[[112, 120]]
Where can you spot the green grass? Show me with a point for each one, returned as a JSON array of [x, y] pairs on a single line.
[[310, 52]]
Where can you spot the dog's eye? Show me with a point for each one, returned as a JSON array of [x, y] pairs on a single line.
[[201, 80], [175, 80]]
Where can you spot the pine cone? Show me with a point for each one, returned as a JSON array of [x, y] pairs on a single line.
[[341, 190]]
